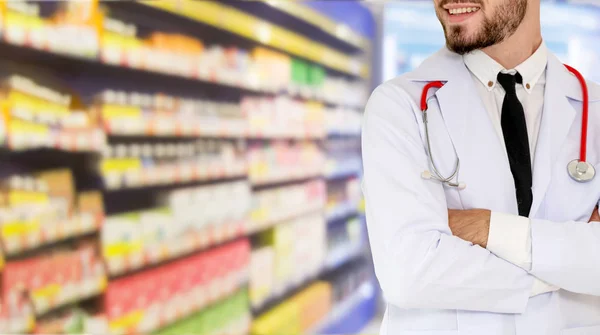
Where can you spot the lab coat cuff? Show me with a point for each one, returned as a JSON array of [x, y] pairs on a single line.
[[510, 238]]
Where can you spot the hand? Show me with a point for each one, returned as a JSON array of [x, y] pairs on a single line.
[[595, 215], [471, 225]]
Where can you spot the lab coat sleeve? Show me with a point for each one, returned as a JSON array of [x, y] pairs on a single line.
[[567, 254], [418, 262]]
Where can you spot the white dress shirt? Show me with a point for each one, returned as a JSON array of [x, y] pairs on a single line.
[[510, 235]]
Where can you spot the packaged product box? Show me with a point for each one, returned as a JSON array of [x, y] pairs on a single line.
[[36, 99], [121, 238], [316, 76], [22, 24], [261, 274], [119, 44], [90, 202], [299, 73], [76, 28], [60, 185], [315, 303]]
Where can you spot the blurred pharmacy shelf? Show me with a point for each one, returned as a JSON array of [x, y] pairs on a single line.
[[352, 314], [240, 23], [313, 17], [192, 165], [17, 238], [73, 63]]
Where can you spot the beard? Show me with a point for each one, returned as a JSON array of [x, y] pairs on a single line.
[[509, 16]]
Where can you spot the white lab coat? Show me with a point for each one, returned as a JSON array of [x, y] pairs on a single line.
[[437, 284]]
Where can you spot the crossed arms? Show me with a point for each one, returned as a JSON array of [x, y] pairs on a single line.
[[420, 263]]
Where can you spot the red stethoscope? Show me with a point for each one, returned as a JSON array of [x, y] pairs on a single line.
[[579, 169]]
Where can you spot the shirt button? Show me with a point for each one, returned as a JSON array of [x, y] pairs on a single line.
[[528, 86], [490, 83]]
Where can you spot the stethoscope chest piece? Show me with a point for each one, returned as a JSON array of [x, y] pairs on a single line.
[[581, 171]]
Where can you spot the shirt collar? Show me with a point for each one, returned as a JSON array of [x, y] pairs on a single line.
[[486, 70]]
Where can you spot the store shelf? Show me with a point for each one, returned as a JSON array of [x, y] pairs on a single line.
[[343, 132], [341, 211], [119, 263], [350, 316], [74, 63], [305, 13], [285, 291], [248, 26], [284, 133], [263, 218], [134, 322], [27, 136], [168, 175], [53, 296], [173, 127], [343, 171], [17, 238], [343, 254], [291, 176]]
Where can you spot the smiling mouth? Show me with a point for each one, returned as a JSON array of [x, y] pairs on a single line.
[[462, 10]]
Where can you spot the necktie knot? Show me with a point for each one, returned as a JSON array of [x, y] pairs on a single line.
[[508, 81]]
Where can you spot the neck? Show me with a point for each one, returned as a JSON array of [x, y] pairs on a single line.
[[515, 49]]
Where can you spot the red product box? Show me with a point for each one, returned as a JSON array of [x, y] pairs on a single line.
[[120, 296]]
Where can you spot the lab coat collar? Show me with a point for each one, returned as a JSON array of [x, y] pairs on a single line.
[[486, 69], [445, 65]]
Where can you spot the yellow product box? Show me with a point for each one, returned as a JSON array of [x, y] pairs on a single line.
[[23, 25], [27, 106], [110, 112], [121, 235], [19, 227], [119, 44], [24, 134], [282, 319], [120, 165]]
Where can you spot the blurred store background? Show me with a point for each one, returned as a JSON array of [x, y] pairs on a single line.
[[181, 166]]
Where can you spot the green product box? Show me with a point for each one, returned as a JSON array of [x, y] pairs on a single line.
[[299, 72], [316, 76], [213, 318]]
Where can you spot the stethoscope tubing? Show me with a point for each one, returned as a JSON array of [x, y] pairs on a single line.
[[584, 128]]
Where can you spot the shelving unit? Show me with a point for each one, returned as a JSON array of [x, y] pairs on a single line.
[[189, 158]]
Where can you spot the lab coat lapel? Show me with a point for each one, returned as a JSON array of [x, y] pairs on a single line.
[[557, 119], [483, 163]]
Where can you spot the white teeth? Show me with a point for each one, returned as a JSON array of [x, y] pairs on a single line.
[[456, 11]]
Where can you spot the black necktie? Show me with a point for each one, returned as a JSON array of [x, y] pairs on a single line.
[[514, 130]]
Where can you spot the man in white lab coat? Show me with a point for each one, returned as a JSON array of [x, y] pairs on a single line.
[[518, 250]]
